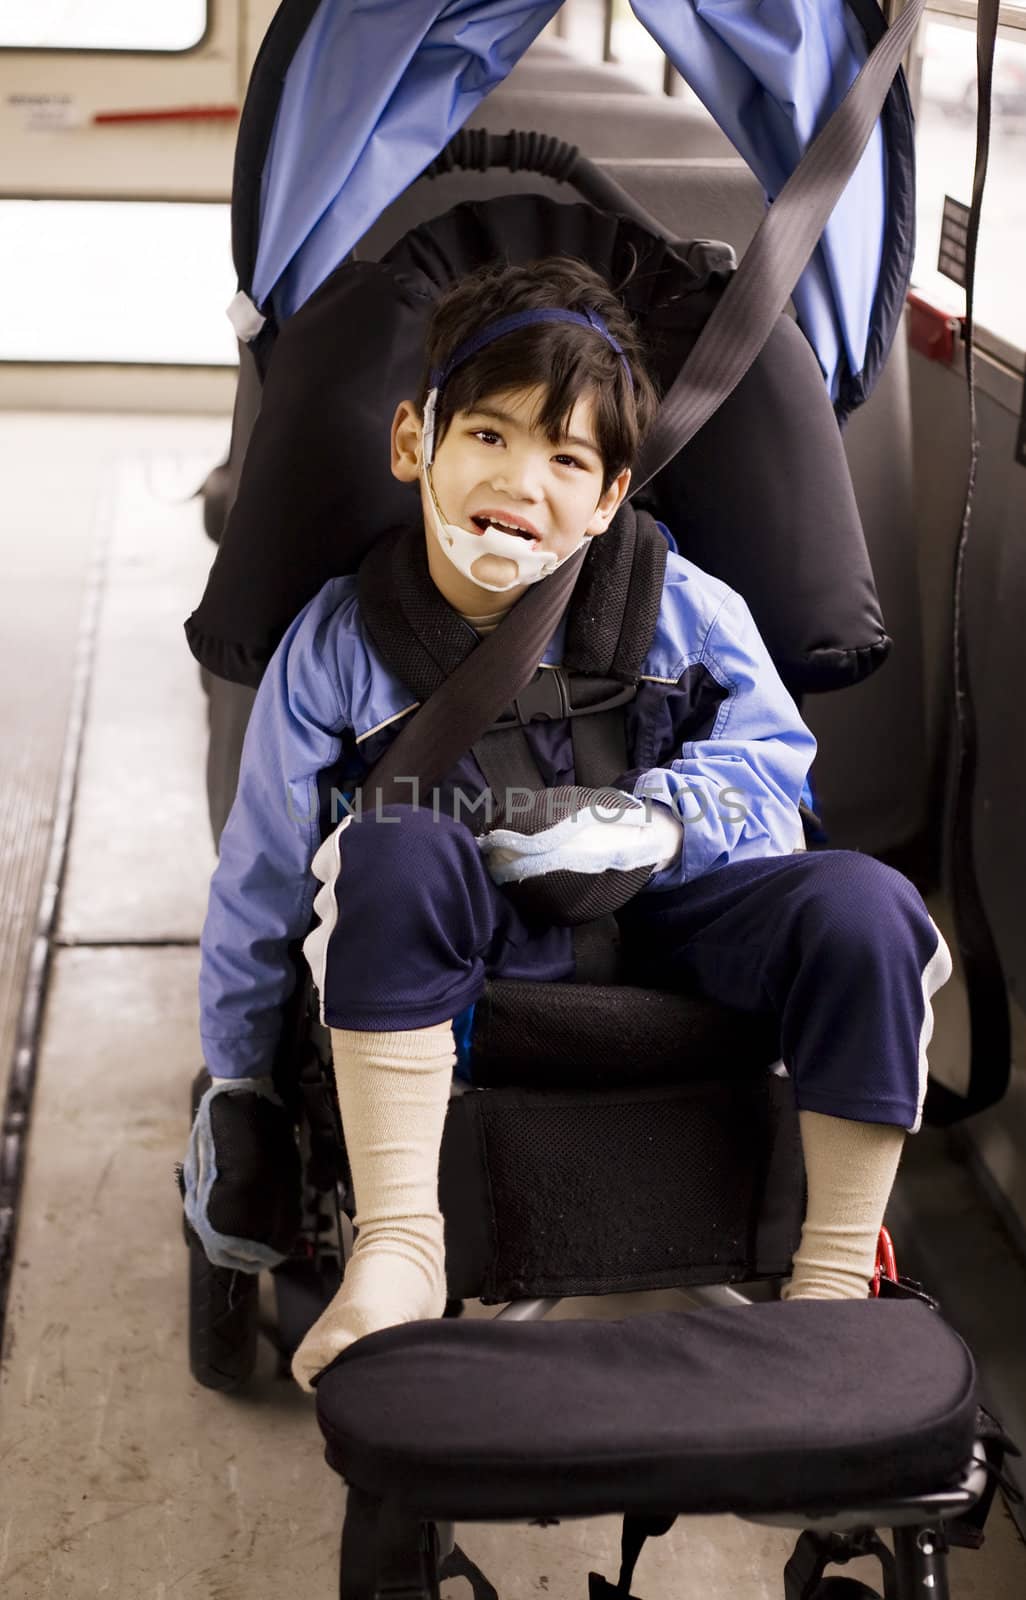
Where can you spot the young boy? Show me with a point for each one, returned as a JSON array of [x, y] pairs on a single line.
[[521, 443]]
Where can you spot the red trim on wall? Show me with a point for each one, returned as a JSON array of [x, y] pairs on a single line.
[[172, 114], [932, 331]]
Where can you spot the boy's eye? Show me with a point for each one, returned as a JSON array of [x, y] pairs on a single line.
[[486, 435], [568, 461]]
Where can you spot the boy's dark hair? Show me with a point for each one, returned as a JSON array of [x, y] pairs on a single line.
[[564, 358]]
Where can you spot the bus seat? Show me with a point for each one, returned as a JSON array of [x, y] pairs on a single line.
[[870, 776], [557, 75], [604, 127]]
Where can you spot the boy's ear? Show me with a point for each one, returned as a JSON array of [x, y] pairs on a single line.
[[407, 434], [610, 503]]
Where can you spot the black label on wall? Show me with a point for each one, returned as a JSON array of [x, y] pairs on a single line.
[[954, 232]]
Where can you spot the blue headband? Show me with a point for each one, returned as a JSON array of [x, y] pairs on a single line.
[[524, 319]]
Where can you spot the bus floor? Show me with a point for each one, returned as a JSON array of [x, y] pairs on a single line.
[[121, 1476]]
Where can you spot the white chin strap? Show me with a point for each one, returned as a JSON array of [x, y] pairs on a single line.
[[465, 549]]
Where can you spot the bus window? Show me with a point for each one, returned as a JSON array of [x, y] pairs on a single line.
[[174, 25], [149, 284], [946, 145]]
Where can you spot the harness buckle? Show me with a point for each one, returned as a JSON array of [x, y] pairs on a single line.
[[545, 699], [550, 694]]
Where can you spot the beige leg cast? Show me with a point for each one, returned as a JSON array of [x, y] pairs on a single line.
[[393, 1093], [850, 1167]]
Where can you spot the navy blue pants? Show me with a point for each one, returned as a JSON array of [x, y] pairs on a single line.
[[837, 947]]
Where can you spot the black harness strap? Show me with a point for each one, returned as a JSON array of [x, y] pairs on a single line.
[[508, 764], [424, 640], [473, 694], [636, 1529], [611, 618], [615, 607], [609, 632], [414, 629], [600, 741]]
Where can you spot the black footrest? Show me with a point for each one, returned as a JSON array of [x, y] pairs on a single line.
[[787, 1406]]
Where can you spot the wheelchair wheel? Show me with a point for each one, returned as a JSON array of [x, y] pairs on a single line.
[[223, 1322], [844, 1589]]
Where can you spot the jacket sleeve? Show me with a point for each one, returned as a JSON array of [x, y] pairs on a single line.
[[736, 792], [261, 893]]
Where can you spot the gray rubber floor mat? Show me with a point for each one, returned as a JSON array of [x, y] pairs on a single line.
[[140, 855], [50, 535], [97, 522]]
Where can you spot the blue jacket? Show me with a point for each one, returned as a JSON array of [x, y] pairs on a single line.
[[712, 730]]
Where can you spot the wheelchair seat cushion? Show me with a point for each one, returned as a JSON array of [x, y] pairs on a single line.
[[776, 1407], [595, 1036]]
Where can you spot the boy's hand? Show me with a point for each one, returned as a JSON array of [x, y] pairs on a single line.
[[242, 1176], [599, 839]]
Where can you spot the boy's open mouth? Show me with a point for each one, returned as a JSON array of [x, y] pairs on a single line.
[[485, 520]]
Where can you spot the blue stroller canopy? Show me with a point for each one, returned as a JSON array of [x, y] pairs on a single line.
[[350, 102]]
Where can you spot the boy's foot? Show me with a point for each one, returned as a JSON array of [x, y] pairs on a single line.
[[382, 1288]]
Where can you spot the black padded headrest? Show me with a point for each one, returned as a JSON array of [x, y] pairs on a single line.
[[761, 497]]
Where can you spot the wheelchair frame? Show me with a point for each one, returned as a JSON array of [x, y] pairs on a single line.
[[389, 1556], [385, 1554]]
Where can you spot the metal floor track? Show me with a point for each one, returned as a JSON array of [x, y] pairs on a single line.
[[48, 545], [63, 479], [51, 550]]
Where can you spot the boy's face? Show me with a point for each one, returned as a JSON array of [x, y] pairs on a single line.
[[496, 463]]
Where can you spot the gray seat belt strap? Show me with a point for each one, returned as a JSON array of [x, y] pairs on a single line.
[[470, 700], [990, 1038], [771, 266], [449, 723]]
